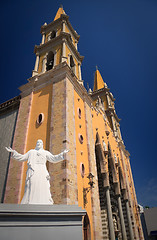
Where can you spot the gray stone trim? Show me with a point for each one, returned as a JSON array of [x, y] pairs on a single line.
[[10, 104]]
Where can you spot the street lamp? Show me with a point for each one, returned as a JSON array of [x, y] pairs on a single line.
[[87, 189]]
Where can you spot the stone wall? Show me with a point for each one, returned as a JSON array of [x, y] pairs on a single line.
[[13, 188], [7, 128], [63, 175]]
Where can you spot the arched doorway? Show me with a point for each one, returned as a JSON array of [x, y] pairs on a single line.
[[86, 228]]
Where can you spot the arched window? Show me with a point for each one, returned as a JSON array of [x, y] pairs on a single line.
[[71, 39], [86, 228], [72, 63], [53, 34], [50, 61]]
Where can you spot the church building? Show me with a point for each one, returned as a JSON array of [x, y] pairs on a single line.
[[55, 106]]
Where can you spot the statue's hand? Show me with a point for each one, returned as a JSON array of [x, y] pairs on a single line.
[[9, 149], [66, 151]]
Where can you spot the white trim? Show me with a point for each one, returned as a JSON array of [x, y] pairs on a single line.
[[55, 59], [44, 63], [43, 38], [36, 63], [79, 71]]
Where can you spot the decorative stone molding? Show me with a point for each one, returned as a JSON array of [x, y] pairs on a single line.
[[56, 41], [58, 22], [10, 104]]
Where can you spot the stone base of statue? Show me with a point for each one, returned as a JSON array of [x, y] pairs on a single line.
[[38, 222]]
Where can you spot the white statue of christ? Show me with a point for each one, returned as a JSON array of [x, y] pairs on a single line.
[[37, 185]]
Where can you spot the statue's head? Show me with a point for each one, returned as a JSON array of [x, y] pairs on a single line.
[[39, 144]]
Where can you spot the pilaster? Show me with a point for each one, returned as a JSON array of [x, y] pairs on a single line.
[[109, 213], [64, 58], [35, 71], [43, 38], [129, 220], [121, 218], [63, 175], [14, 181]]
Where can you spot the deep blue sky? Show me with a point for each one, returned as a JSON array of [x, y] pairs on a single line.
[[120, 37]]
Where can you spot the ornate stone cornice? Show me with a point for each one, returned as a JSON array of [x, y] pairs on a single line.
[[58, 73], [111, 112], [103, 91], [122, 147], [64, 17], [56, 41], [10, 104], [99, 92]]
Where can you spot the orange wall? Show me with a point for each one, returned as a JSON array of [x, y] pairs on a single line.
[[80, 126], [41, 103]]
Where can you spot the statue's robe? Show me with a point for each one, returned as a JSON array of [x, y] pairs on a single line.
[[37, 185]]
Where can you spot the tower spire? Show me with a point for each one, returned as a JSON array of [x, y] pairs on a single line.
[[59, 12], [98, 80]]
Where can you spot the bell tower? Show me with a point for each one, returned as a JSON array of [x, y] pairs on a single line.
[[59, 44]]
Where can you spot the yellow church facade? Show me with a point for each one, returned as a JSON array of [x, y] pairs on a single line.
[[54, 106]]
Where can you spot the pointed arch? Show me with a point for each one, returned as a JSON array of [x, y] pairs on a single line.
[[97, 138], [86, 228]]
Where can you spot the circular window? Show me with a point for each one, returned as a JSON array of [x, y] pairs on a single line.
[[79, 112], [82, 170], [40, 118], [80, 138]]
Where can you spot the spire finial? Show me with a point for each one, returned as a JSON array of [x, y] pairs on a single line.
[[87, 86], [59, 12], [96, 67]]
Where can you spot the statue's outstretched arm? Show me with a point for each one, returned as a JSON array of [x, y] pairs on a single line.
[[18, 156], [56, 158]]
